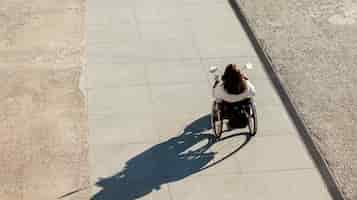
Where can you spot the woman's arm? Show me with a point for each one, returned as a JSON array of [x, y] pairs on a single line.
[[251, 89]]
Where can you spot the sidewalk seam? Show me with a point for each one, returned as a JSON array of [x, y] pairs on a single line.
[[293, 112]]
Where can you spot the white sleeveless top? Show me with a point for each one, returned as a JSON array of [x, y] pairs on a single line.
[[219, 93]]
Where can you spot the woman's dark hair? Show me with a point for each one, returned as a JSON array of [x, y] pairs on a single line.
[[233, 80]]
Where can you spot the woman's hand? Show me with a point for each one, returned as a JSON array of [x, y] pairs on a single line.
[[245, 77]]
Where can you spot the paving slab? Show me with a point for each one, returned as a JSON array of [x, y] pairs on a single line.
[[106, 48], [120, 156], [272, 122], [167, 40], [175, 72], [208, 31], [112, 11], [133, 100], [127, 171], [122, 128], [181, 98], [158, 11], [116, 75], [274, 153], [279, 185], [171, 116], [189, 95]]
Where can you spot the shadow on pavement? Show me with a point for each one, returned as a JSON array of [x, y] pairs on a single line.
[[166, 162]]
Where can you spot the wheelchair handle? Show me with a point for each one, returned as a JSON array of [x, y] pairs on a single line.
[[214, 70]]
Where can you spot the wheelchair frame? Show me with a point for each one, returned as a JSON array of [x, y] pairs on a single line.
[[217, 117]]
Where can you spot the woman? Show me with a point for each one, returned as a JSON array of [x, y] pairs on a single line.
[[234, 86], [232, 91]]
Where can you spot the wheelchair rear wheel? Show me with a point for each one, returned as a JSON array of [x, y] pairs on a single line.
[[252, 119], [217, 119]]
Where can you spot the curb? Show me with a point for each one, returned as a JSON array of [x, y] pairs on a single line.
[[304, 132]]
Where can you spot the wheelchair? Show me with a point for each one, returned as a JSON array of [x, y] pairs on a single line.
[[219, 114], [247, 107]]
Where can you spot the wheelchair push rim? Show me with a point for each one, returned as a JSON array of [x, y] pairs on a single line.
[[252, 119], [216, 120]]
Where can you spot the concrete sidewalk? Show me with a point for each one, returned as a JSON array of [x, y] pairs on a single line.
[[149, 101]]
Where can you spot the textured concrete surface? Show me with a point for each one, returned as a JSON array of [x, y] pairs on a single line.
[[43, 143], [313, 46], [149, 101]]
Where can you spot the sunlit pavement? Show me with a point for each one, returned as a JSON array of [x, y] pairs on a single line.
[[149, 100]]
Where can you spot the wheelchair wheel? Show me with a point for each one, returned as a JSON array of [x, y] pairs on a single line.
[[217, 120], [252, 119]]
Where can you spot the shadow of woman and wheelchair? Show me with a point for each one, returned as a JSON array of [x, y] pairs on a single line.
[[169, 161]]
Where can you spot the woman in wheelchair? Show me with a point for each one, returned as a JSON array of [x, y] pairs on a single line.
[[232, 92]]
